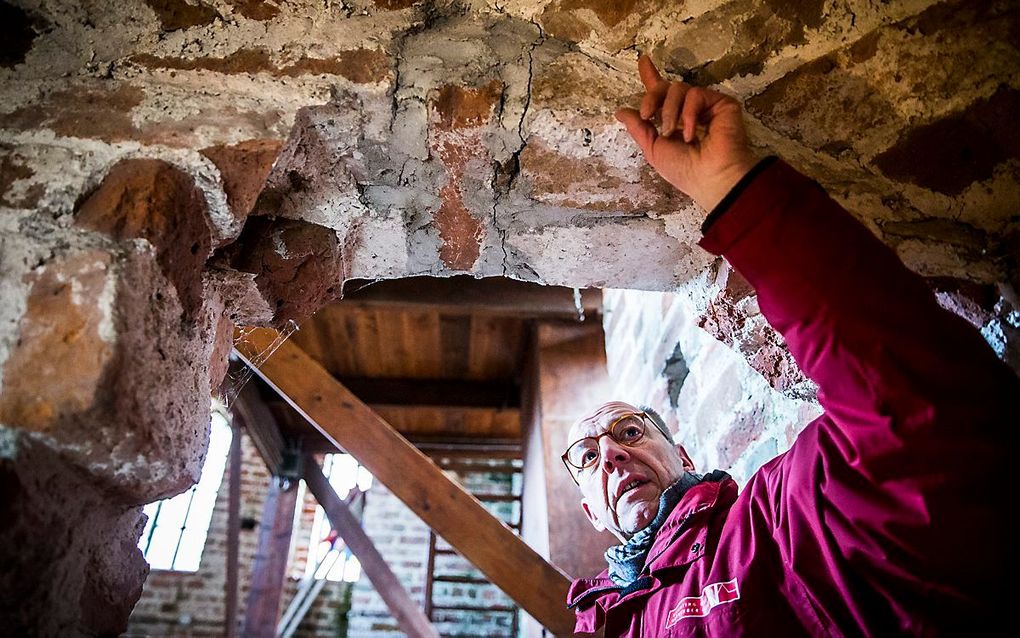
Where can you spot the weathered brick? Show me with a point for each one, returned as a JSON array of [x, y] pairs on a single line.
[[244, 167], [361, 66], [105, 111], [459, 114], [959, 149], [85, 110], [153, 200], [174, 15], [753, 31], [65, 344]]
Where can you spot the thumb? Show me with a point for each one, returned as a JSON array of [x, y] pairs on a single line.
[[642, 131]]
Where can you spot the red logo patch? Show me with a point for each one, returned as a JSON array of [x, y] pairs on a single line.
[[696, 606]]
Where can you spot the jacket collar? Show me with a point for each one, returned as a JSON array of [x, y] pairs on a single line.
[[720, 492]]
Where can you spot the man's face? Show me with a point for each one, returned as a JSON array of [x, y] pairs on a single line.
[[621, 492]]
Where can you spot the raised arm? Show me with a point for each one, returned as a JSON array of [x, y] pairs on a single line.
[[857, 321], [893, 509]]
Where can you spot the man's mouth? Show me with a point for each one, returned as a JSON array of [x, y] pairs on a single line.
[[632, 484]]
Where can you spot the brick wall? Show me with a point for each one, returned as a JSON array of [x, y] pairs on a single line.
[[404, 540], [192, 604], [726, 415]]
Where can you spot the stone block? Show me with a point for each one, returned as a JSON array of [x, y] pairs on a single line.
[[297, 266], [243, 168], [77, 570], [155, 201], [66, 342]]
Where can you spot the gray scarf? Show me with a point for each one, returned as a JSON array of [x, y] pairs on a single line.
[[627, 560]]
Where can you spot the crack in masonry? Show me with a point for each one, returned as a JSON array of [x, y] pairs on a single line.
[[430, 17], [514, 162], [394, 100], [502, 103]]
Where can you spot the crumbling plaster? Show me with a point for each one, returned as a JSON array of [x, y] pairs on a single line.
[[301, 143]]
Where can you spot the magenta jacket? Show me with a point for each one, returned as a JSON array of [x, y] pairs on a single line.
[[891, 514]]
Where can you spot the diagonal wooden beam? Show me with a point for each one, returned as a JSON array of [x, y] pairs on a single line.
[[538, 587], [411, 620]]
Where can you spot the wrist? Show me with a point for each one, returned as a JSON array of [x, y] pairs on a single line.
[[735, 192], [720, 183]]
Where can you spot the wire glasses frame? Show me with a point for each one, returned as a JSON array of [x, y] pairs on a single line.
[[618, 434]]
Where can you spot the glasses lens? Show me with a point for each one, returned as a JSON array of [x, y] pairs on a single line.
[[629, 430], [583, 453]]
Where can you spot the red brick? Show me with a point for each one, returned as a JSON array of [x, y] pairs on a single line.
[[153, 200], [244, 167], [57, 366], [361, 66]]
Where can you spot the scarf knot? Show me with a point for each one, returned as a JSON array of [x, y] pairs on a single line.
[[626, 561]]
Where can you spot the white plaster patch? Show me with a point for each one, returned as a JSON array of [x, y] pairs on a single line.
[[280, 246], [601, 256], [106, 305], [379, 250]]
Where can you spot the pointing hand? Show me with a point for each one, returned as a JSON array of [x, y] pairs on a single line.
[[700, 146]]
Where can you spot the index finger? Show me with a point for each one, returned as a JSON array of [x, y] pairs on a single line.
[[649, 74]]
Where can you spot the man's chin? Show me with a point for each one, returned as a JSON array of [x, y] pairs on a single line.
[[637, 520]]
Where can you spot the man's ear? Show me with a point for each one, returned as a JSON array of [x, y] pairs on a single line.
[[685, 459], [592, 516]]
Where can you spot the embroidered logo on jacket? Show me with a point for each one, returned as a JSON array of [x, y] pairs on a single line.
[[696, 606]]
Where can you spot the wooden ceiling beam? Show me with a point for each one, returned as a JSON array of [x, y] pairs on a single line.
[[435, 392], [467, 295], [415, 422], [537, 586]]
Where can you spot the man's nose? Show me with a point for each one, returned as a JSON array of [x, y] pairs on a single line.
[[612, 454]]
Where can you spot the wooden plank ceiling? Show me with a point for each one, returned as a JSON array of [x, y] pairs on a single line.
[[439, 359]]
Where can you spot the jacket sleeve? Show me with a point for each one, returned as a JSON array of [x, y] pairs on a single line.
[[905, 480], [900, 377]]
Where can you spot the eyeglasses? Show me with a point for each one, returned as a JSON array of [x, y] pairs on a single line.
[[583, 454]]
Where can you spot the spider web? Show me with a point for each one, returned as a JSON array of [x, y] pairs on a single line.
[[239, 375]]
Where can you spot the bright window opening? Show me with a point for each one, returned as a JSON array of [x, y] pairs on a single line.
[[328, 558], [175, 533]]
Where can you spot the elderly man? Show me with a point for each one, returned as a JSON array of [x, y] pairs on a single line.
[[889, 515]]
